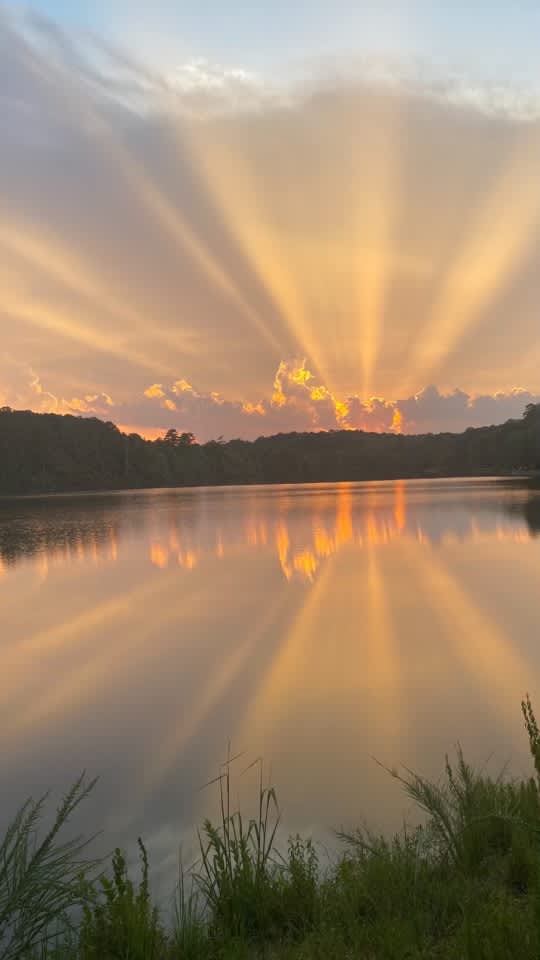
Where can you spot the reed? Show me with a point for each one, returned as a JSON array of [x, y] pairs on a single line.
[[464, 885], [41, 882]]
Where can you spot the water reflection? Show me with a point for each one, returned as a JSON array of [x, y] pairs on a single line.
[[315, 625], [56, 531]]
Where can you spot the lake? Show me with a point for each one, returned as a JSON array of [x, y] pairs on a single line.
[[146, 633]]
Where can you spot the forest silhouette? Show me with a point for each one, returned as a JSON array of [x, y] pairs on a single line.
[[49, 453]]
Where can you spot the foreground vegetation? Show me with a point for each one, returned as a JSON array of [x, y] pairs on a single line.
[[42, 453], [466, 884]]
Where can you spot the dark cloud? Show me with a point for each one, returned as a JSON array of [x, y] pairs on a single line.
[[432, 411]]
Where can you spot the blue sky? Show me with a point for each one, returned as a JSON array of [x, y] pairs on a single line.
[[499, 38]]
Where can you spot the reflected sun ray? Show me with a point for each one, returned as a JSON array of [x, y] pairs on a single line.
[[483, 647], [68, 635], [183, 728], [294, 654], [75, 686], [381, 648]]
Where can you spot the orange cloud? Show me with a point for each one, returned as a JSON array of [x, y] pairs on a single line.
[[254, 408], [156, 390], [182, 386], [91, 403], [298, 402]]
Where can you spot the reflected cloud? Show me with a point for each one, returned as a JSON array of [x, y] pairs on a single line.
[[340, 648], [287, 619], [92, 531]]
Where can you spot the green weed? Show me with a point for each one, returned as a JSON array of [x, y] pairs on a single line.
[[41, 882], [465, 885]]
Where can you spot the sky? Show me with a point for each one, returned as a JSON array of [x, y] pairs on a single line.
[[239, 219]]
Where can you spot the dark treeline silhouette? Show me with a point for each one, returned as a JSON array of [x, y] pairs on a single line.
[[44, 453]]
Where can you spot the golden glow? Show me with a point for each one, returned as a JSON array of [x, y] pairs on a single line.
[[73, 630], [305, 563], [154, 391], [170, 218], [344, 524], [376, 198], [400, 511], [94, 667], [323, 543], [186, 725], [182, 386], [397, 421], [489, 256], [282, 546], [382, 664], [294, 656], [308, 220], [113, 545], [342, 409], [483, 647], [301, 375], [380, 520], [340, 648], [346, 644], [187, 559], [254, 408], [59, 321], [159, 556], [151, 197], [44, 252], [233, 181]]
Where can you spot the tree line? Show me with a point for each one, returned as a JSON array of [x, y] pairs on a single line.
[[46, 453]]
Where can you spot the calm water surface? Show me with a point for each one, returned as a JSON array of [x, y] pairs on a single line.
[[316, 626]]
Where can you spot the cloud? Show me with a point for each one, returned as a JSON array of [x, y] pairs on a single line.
[[433, 411], [47, 402], [210, 223], [298, 402], [154, 390], [96, 404]]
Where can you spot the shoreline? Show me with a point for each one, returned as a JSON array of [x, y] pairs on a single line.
[[118, 491]]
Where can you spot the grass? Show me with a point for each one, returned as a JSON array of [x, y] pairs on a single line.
[[463, 886]]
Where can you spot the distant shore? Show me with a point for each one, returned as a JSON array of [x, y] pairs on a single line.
[[531, 479], [49, 454]]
